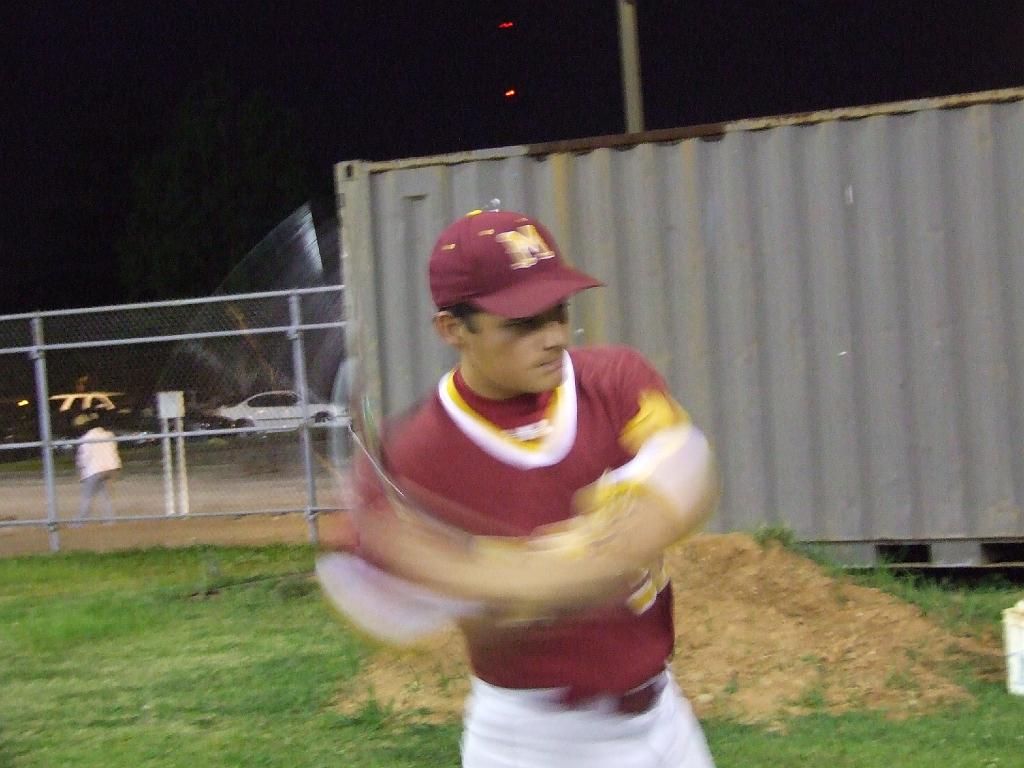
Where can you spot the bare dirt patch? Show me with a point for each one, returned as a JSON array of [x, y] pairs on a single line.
[[762, 634]]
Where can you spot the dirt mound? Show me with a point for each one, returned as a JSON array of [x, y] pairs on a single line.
[[762, 633]]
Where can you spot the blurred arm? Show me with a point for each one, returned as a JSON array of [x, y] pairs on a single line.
[[623, 521]]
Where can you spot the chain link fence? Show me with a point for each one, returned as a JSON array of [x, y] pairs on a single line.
[[262, 430]]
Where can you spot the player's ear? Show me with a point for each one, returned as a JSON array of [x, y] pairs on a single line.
[[449, 328]]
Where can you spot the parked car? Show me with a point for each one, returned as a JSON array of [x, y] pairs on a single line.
[[148, 428], [278, 409], [196, 421]]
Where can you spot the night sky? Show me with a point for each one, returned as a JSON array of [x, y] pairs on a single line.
[[89, 89]]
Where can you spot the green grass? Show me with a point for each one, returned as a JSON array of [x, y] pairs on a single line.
[[780, 534], [199, 657], [987, 734], [61, 461], [228, 657]]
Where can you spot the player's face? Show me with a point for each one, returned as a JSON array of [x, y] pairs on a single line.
[[503, 357]]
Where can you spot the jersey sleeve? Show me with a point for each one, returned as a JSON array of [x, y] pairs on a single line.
[[643, 404]]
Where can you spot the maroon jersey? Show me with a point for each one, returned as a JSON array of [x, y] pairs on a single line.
[[514, 476]]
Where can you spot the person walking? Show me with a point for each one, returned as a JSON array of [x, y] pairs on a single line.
[[98, 463]]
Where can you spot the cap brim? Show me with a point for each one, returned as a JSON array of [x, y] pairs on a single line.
[[532, 296]]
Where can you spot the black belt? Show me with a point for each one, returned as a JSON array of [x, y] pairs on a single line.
[[635, 701], [642, 698]]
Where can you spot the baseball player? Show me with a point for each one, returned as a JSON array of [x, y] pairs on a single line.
[[569, 472]]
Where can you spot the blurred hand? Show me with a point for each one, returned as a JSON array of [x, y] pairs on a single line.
[[338, 532]]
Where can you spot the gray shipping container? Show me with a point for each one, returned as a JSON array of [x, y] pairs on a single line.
[[837, 297]]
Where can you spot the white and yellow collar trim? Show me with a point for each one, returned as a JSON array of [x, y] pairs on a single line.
[[542, 452]]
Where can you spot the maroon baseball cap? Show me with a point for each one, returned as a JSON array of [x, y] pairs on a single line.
[[502, 262]]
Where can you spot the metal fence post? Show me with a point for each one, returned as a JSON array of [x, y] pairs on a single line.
[[38, 356], [168, 467], [179, 445], [299, 364]]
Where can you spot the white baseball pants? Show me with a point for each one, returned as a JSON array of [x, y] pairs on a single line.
[[507, 728]]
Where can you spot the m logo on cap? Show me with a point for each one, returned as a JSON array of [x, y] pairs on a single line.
[[525, 246]]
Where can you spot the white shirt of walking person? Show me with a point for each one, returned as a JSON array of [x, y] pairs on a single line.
[[98, 463]]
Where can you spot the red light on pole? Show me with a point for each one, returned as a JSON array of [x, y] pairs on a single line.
[[506, 25]]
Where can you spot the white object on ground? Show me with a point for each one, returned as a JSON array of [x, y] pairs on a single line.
[[1013, 630]]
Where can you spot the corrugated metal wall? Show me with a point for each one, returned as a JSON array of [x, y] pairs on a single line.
[[839, 302]]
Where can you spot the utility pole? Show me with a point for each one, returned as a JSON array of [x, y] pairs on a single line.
[[629, 56]]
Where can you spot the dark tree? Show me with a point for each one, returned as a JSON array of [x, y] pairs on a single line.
[[232, 169]]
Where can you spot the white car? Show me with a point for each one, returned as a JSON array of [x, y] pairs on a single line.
[[278, 409]]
